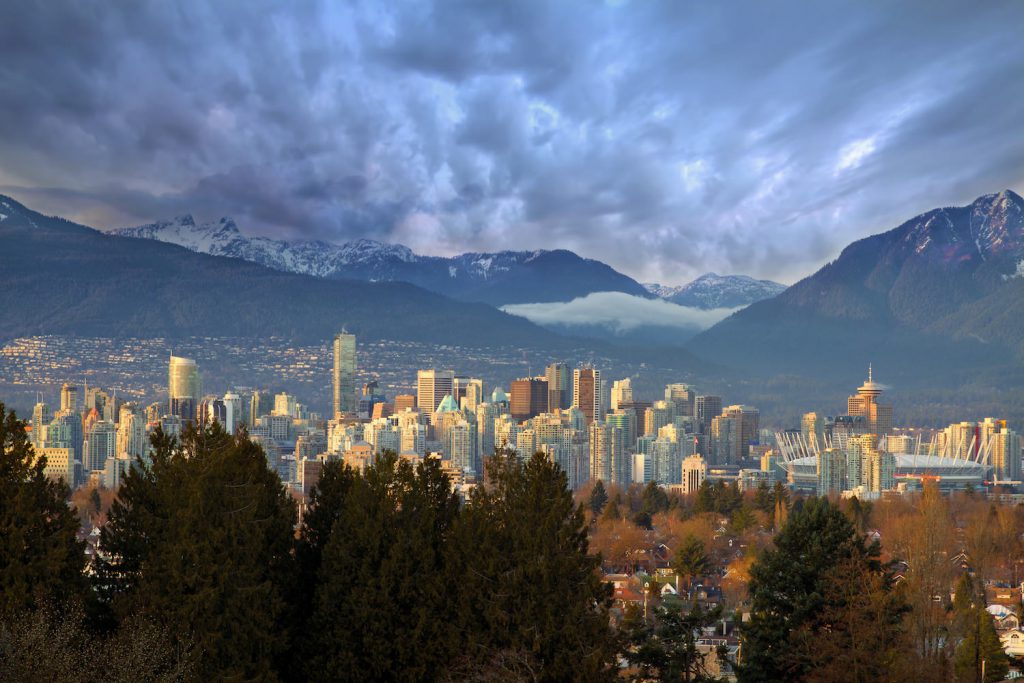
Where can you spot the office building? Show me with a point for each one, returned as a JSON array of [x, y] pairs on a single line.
[[431, 387], [706, 408], [184, 388], [560, 386], [69, 400], [344, 375], [529, 398], [683, 397], [694, 472], [749, 420], [725, 441]]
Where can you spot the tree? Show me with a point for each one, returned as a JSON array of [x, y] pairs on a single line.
[[654, 500], [798, 595], [327, 502], [667, 649], [611, 512], [598, 498], [763, 498], [690, 559], [530, 589], [980, 650], [383, 608], [40, 555], [202, 540], [53, 643]]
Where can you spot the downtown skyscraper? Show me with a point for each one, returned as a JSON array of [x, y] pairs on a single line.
[[344, 374]]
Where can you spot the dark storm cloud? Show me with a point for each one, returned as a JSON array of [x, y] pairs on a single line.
[[665, 138]]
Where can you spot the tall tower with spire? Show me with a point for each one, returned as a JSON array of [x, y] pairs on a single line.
[[865, 403]]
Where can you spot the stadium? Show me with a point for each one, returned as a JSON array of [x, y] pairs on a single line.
[[950, 471]]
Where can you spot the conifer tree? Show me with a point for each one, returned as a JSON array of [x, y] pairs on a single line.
[[690, 559], [795, 599], [980, 657], [531, 593], [40, 556], [384, 597], [598, 498], [201, 541]]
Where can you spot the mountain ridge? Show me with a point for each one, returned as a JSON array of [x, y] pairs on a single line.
[[491, 277], [62, 277], [711, 290], [920, 292]]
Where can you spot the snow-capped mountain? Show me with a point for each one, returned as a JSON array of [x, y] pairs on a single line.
[[717, 291], [497, 278]]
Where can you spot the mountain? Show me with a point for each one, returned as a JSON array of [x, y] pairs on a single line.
[[63, 278], [711, 291], [500, 278], [943, 293]]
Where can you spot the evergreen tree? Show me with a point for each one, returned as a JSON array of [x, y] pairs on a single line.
[[706, 501], [201, 540], [690, 559], [980, 650], [611, 512], [667, 649], [384, 606], [40, 556], [531, 593], [797, 596], [326, 504], [654, 500], [763, 498], [598, 498]]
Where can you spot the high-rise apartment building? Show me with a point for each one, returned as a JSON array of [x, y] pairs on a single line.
[[832, 470], [431, 387], [42, 416], [184, 389], [560, 386], [344, 375], [100, 443], [131, 433], [586, 393], [622, 393], [657, 416], [529, 397]]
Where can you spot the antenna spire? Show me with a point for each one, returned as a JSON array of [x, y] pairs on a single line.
[[869, 372]]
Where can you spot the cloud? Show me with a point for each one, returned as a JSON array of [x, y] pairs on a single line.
[[667, 139], [620, 313]]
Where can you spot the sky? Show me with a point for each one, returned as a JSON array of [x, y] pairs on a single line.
[[667, 139]]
